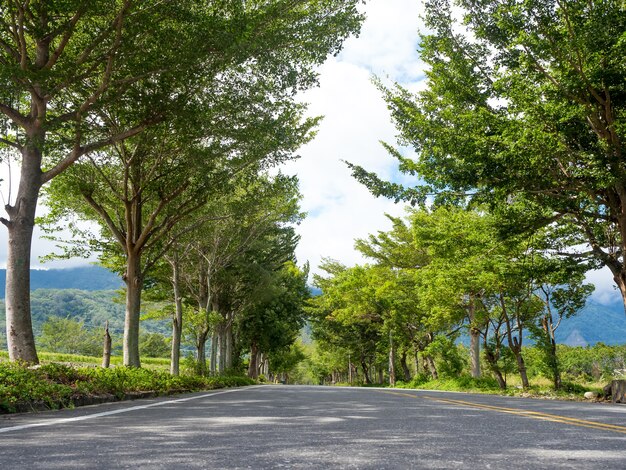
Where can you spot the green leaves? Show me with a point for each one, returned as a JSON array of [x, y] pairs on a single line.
[[523, 114]]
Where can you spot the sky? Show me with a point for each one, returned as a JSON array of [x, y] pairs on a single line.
[[355, 121]]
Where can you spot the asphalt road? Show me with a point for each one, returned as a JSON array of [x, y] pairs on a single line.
[[320, 427]]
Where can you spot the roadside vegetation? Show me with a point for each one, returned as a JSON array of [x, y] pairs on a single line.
[[54, 385], [584, 369]]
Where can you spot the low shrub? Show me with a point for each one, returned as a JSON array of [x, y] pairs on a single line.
[[19, 385], [57, 385]]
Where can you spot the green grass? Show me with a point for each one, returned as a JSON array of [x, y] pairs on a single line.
[[540, 388], [155, 363], [463, 383]]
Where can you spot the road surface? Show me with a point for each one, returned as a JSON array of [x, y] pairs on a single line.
[[320, 427]]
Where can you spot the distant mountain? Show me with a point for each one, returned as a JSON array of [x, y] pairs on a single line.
[[315, 291], [594, 324], [89, 278]]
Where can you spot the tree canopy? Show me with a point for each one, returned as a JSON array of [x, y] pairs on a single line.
[[524, 111]]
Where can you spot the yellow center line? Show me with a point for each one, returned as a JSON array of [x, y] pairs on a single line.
[[523, 413]]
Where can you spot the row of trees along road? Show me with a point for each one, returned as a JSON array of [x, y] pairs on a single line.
[[524, 111], [439, 273], [139, 113]]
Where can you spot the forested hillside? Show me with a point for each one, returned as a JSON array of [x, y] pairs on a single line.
[[595, 323], [92, 308], [87, 278]]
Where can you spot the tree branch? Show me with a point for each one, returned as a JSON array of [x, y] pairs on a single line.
[[79, 151], [119, 236]]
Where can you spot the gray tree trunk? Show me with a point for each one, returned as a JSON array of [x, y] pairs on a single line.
[[213, 366], [134, 283], [228, 348], [20, 338], [405, 366], [106, 349], [392, 361], [474, 340], [177, 320], [521, 367], [253, 367], [222, 348], [201, 352], [431, 367], [366, 371]]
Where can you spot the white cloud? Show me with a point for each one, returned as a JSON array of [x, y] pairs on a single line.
[[356, 120], [388, 41], [606, 291]]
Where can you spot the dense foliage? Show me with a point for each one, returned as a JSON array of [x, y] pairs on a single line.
[[137, 114], [439, 273], [521, 185], [523, 110]]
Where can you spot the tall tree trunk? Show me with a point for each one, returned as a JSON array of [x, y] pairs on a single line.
[[516, 349], [177, 332], [392, 361], [349, 370], [499, 378], [20, 338], [253, 367], [405, 367], [177, 319], [366, 372], [492, 359], [134, 282], [214, 340], [431, 367], [106, 349], [474, 339], [553, 362], [228, 339], [222, 347], [521, 367], [515, 344], [201, 352]]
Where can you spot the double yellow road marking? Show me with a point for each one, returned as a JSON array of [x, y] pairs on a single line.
[[525, 413]]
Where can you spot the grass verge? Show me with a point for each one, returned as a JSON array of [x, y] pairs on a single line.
[[53, 385], [488, 385]]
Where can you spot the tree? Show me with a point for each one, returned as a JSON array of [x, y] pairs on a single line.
[[145, 191], [563, 292], [65, 335], [60, 62], [63, 62], [348, 314], [445, 248], [524, 110], [213, 260], [154, 345], [270, 324]]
